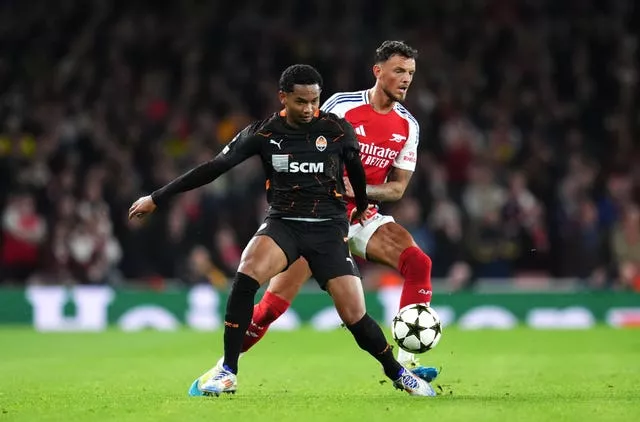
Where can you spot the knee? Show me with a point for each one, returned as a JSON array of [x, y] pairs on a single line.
[[413, 257], [261, 267], [255, 269], [352, 314], [426, 261]]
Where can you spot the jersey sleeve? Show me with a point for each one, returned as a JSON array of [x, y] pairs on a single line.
[[349, 139], [341, 102], [244, 145], [408, 156], [353, 165], [328, 105]]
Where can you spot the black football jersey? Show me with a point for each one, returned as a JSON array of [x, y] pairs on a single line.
[[303, 166]]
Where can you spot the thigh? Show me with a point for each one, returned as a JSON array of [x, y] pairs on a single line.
[[284, 235], [287, 284], [327, 251], [262, 259], [269, 252], [387, 244], [359, 236]]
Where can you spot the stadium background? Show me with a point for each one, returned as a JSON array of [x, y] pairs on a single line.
[[527, 176]]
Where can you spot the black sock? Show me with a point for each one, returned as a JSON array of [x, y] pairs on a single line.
[[370, 337], [238, 317]]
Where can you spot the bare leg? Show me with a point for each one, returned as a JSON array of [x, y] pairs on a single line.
[[282, 289], [393, 246], [348, 297], [387, 244]]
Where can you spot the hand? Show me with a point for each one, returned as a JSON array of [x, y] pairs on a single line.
[[347, 188], [142, 207], [363, 217]]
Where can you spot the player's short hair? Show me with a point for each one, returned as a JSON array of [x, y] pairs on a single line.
[[299, 74], [394, 48]]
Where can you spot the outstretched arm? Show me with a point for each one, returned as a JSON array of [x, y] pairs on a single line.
[[244, 145], [203, 174]]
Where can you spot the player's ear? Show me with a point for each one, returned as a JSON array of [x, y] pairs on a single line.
[[283, 97], [377, 70]]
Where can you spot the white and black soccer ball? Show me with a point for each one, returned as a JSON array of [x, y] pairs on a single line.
[[416, 328]]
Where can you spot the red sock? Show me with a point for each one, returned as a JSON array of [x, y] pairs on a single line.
[[265, 312], [415, 267]]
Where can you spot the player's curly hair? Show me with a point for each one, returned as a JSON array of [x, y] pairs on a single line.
[[299, 74], [392, 48]]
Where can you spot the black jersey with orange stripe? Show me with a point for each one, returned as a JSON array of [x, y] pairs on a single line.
[[303, 166]]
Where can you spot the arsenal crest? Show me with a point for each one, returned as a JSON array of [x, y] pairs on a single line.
[[321, 143]]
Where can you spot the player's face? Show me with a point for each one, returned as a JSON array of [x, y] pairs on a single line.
[[395, 75], [301, 104]]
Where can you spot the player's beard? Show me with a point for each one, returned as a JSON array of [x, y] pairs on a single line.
[[392, 97]]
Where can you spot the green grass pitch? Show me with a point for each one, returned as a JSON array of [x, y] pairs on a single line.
[[518, 375]]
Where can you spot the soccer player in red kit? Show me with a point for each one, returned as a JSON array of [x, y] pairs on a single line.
[[388, 136]]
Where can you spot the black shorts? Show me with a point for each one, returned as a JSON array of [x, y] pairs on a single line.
[[324, 244]]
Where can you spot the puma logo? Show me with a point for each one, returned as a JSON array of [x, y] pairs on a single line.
[[350, 260], [271, 141]]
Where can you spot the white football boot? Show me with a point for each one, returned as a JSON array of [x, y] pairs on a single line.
[[222, 381], [413, 384], [196, 386]]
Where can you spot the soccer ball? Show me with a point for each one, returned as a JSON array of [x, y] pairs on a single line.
[[416, 328]]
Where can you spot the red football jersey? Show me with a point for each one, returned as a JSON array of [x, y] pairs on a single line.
[[385, 140]]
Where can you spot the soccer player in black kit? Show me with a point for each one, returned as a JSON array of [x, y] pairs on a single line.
[[304, 152]]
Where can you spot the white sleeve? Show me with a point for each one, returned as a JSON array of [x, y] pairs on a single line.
[[408, 156], [341, 102], [328, 105]]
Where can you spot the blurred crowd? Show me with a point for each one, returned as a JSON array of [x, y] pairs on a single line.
[[528, 112]]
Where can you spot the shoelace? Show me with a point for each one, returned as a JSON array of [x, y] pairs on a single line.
[[410, 381], [223, 373]]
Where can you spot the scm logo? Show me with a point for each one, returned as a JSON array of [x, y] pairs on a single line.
[[296, 167]]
